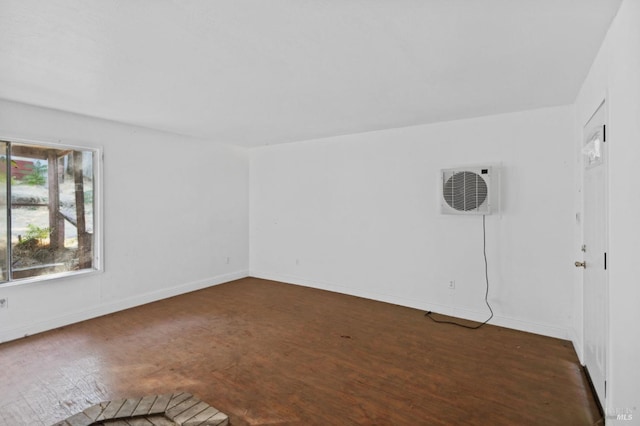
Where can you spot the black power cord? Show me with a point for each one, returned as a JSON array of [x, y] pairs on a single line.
[[486, 277]]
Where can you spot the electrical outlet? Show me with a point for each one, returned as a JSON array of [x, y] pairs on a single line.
[[4, 302], [452, 285]]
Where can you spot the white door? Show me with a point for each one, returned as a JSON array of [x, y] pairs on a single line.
[[595, 290]]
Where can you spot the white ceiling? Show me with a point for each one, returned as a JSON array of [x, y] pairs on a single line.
[[256, 72]]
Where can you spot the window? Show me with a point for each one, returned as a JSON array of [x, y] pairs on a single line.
[[47, 210]]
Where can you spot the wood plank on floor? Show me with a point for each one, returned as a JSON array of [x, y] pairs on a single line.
[[265, 352]]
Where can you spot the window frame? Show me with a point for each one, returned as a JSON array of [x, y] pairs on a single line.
[[98, 248]]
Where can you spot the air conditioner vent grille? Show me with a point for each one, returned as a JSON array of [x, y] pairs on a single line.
[[465, 191], [471, 190]]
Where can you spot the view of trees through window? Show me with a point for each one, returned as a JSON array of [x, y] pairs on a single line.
[[48, 195]]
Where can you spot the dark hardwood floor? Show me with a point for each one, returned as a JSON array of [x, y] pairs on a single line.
[[268, 353]]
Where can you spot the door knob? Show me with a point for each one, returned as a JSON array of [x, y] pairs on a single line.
[[581, 264]]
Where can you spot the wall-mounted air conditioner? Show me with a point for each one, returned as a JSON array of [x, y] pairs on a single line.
[[470, 190]]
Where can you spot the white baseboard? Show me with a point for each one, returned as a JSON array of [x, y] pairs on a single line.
[[86, 313], [111, 307], [577, 345], [508, 322]]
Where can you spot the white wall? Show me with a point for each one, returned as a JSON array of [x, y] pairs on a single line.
[[616, 75], [359, 214], [174, 209]]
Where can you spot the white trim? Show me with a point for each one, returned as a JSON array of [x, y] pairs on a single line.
[[48, 277], [57, 143], [111, 307], [513, 323], [98, 207]]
